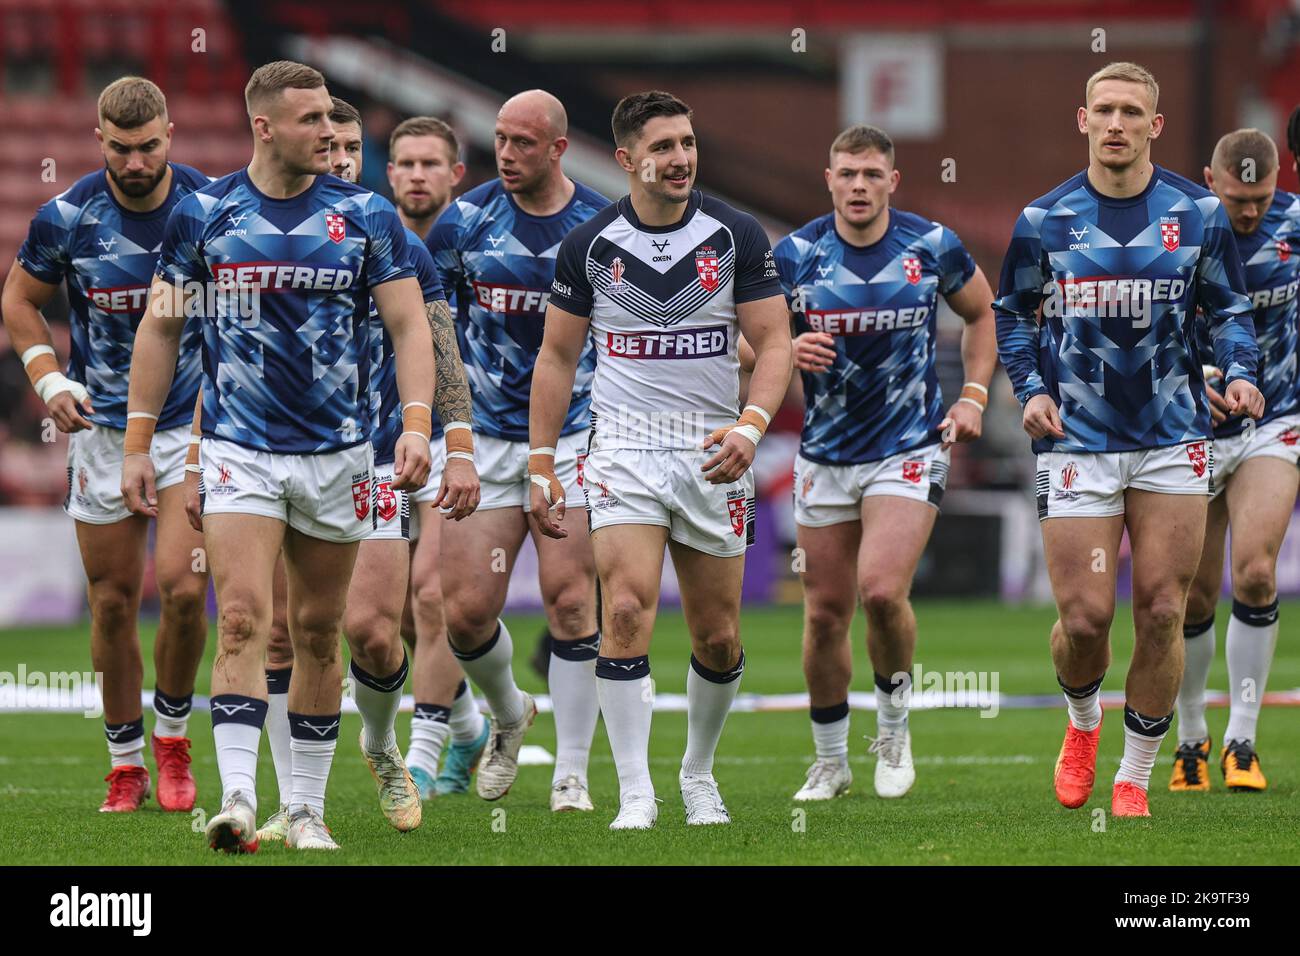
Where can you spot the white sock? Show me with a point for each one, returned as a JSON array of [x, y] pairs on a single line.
[[626, 695], [277, 730], [890, 716], [125, 743], [1142, 737], [709, 695], [571, 678], [489, 668], [1198, 640], [466, 719], [314, 737], [171, 714], [378, 699], [1084, 703], [830, 730], [1252, 635], [429, 732], [237, 730]]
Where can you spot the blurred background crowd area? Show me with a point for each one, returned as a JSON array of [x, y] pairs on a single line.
[[979, 96]]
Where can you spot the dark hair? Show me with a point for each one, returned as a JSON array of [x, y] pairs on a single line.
[[633, 112], [272, 78], [341, 111], [425, 126], [1293, 133]]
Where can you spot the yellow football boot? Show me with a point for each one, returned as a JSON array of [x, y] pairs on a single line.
[[1191, 767], [1240, 766]]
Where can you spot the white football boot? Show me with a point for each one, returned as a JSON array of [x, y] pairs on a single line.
[[307, 831], [232, 828], [500, 764], [894, 771], [570, 794], [828, 778], [276, 826], [636, 812], [704, 806], [399, 797]]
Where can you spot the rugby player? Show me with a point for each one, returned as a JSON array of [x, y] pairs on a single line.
[[1117, 259], [423, 169], [286, 453], [495, 250], [863, 283], [1255, 475], [101, 237], [663, 281]]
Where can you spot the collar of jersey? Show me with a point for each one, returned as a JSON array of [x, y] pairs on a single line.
[[628, 213], [1157, 173], [520, 211], [305, 194], [871, 246]]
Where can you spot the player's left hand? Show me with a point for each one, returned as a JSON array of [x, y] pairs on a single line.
[[1243, 398], [964, 423], [411, 462], [193, 502], [138, 487], [458, 495], [735, 455], [546, 497]]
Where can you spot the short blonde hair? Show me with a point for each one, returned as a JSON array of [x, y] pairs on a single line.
[[130, 102], [1128, 72], [277, 76]]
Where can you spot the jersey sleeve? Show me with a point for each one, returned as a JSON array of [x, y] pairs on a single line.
[[44, 253], [786, 256], [1020, 293], [388, 255], [1221, 295], [443, 245], [180, 258], [954, 263], [571, 290], [426, 272], [756, 275]]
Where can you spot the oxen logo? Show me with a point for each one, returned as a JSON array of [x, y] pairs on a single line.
[[706, 264], [361, 495], [736, 511], [912, 269], [335, 226], [1197, 456], [1170, 230], [385, 501], [913, 470]]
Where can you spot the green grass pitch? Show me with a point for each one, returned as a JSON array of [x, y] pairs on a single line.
[[983, 793]]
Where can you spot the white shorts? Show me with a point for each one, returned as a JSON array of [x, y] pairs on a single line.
[[390, 509], [327, 495], [1082, 484], [832, 494], [1279, 438], [503, 471], [95, 470], [665, 487]]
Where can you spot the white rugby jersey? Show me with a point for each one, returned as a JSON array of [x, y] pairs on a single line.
[[662, 303]]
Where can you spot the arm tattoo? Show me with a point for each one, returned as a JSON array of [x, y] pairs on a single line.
[[451, 398]]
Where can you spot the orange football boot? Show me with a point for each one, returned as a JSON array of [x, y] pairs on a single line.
[[175, 782], [1240, 765], [1128, 800], [1076, 767], [128, 787], [1191, 767]]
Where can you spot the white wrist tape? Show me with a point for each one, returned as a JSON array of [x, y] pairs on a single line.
[[417, 434], [196, 439], [131, 415], [545, 484], [976, 385], [452, 426], [461, 454], [193, 469], [424, 405], [971, 401], [748, 431], [762, 413], [541, 451], [34, 351], [55, 382]]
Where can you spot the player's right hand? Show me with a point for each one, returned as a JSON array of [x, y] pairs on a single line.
[[69, 410], [814, 351], [1218, 405], [545, 497], [1042, 420], [411, 462], [193, 509], [458, 495], [138, 488]]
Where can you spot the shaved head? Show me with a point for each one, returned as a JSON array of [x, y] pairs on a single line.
[[539, 110]]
